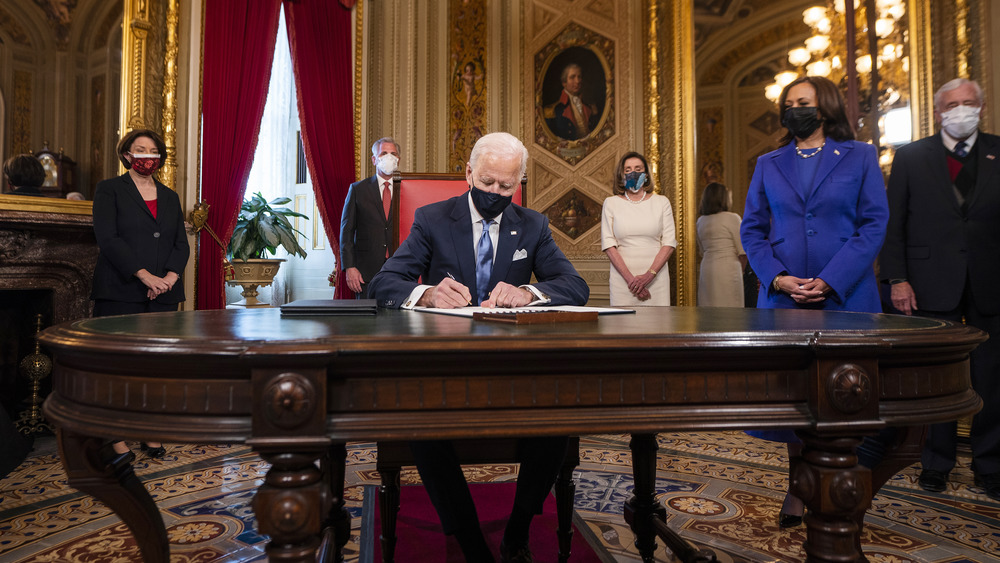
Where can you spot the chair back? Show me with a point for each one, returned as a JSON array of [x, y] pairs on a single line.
[[415, 189]]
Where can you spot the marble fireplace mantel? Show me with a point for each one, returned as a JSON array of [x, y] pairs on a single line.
[[49, 251]]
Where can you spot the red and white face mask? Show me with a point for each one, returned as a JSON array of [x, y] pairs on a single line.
[[145, 164]]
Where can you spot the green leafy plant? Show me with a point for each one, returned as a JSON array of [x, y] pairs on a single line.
[[262, 227]]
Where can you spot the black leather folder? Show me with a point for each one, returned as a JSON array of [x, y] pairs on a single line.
[[317, 307]]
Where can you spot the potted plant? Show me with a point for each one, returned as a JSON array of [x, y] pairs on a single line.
[[261, 228]]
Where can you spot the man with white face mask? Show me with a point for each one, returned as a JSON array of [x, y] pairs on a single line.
[[365, 230], [942, 257]]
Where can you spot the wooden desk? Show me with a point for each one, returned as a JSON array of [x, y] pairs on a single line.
[[297, 389]]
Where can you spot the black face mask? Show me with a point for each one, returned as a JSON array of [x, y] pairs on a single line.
[[802, 121], [489, 204]]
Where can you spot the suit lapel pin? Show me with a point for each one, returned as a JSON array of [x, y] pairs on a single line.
[[991, 157], [836, 152], [513, 233]]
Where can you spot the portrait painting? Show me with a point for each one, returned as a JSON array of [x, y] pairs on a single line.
[[573, 93], [574, 81]]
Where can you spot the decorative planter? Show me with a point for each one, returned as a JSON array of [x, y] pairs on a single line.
[[251, 274]]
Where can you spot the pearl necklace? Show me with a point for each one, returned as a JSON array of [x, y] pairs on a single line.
[[799, 152], [633, 202]]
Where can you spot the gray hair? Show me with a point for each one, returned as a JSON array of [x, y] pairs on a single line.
[[957, 83], [502, 145], [565, 71], [377, 145]]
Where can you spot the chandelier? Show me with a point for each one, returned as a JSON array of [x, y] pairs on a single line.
[[880, 69]]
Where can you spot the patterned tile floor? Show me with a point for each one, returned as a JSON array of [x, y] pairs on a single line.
[[722, 491]]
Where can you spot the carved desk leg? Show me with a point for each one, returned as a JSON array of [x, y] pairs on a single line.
[[117, 486], [288, 432], [643, 506], [290, 506], [837, 492]]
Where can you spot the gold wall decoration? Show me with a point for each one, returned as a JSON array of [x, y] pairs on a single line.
[[359, 40], [921, 64], [467, 49], [21, 114], [168, 173], [670, 75], [567, 132], [136, 28]]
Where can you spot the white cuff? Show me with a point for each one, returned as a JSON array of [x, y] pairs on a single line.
[[415, 296], [540, 298]]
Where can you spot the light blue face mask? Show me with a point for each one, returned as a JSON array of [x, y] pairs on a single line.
[[634, 181]]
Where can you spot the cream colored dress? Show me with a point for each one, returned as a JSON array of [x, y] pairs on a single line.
[[639, 231], [720, 282]]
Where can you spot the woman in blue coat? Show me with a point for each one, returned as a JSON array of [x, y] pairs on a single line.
[[815, 220]]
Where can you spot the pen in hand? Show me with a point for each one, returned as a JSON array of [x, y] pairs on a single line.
[[453, 279]]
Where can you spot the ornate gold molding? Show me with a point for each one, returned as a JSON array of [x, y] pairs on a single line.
[[136, 26], [359, 40], [168, 174], [921, 79], [670, 78]]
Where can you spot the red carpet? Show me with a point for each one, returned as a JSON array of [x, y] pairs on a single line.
[[419, 536]]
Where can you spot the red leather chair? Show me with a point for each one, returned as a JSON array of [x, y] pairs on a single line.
[[411, 191]]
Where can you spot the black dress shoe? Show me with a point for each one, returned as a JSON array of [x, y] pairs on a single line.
[[158, 451], [933, 481], [515, 553], [789, 520], [990, 484]]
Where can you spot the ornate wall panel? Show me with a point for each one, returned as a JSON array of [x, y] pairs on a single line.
[[571, 169], [468, 91], [21, 112]]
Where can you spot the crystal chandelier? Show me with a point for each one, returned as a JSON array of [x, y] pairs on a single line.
[[880, 56]]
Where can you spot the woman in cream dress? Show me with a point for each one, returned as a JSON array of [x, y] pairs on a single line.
[[637, 234], [720, 281]]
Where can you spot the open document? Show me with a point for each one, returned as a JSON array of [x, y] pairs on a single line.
[[471, 311]]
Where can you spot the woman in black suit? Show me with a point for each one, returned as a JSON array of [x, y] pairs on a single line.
[[139, 225]]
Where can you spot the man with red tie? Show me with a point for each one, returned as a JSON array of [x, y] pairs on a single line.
[[365, 230], [942, 257]]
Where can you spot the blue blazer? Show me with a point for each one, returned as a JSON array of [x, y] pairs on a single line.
[[440, 242], [831, 230]]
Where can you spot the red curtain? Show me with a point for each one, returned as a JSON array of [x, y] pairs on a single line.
[[238, 52], [319, 33]]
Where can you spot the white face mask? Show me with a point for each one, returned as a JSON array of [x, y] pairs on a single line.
[[387, 164], [961, 121]]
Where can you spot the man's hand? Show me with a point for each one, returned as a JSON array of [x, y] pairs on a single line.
[[506, 295], [903, 298], [354, 279], [449, 294]]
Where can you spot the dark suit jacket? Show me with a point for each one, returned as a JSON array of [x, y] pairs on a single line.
[[930, 242], [129, 239], [440, 243], [365, 233], [831, 230]]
